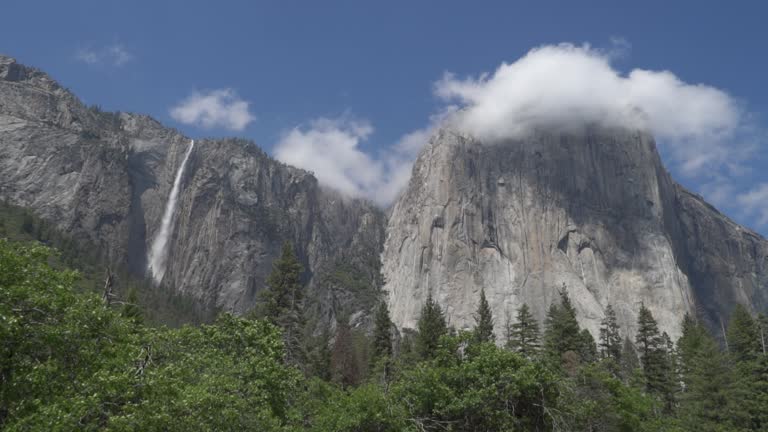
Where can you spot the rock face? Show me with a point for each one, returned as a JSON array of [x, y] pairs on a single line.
[[105, 177], [592, 210]]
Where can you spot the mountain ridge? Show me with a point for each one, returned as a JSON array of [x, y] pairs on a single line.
[[607, 220]]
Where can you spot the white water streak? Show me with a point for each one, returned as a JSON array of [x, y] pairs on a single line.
[[158, 254]]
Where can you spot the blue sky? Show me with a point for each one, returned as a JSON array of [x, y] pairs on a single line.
[[365, 73]]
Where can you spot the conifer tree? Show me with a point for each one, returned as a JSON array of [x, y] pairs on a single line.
[[524, 333], [431, 327], [610, 338], [744, 342], [382, 333], [654, 357], [282, 302], [711, 399], [561, 328], [484, 321]]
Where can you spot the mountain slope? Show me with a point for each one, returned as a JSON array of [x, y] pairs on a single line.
[[104, 178]]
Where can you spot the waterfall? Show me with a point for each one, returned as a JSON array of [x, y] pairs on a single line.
[[158, 254]]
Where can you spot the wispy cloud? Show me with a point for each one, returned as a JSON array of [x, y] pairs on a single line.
[[113, 55], [221, 108]]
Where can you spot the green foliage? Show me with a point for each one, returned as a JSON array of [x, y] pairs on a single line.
[[431, 327], [654, 357], [382, 333], [562, 332], [610, 337], [524, 333], [484, 321], [744, 342], [345, 367], [587, 347], [712, 399], [70, 363], [282, 303], [159, 305], [491, 389]]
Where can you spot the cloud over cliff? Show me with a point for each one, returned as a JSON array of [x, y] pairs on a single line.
[[567, 86], [704, 134]]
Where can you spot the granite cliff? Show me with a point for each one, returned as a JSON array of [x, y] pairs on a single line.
[[592, 210]]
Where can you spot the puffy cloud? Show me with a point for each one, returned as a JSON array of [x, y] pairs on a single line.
[[568, 86], [331, 149], [216, 108], [115, 55]]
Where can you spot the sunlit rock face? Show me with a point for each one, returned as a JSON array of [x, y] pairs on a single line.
[[593, 210]]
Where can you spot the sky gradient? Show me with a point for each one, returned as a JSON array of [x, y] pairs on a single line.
[[362, 76]]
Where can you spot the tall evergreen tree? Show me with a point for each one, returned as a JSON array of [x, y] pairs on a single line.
[[610, 338], [382, 333], [484, 321], [524, 333], [711, 399], [282, 302], [431, 327], [654, 358], [744, 342], [562, 332]]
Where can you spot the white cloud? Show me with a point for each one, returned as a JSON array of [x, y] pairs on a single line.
[[568, 86], [115, 55], [216, 108], [331, 149], [755, 203]]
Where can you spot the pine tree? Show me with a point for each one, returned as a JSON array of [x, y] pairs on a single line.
[[382, 334], [562, 332], [484, 321], [282, 302], [610, 338], [524, 333], [711, 399], [744, 341], [654, 358], [431, 327]]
